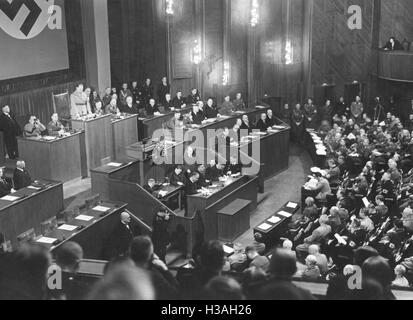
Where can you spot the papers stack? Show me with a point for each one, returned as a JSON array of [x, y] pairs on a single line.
[[292, 205], [101, 209], [67, 227], [114, 164], [84, 218], [46, 240], [10, 198], [285, 214]]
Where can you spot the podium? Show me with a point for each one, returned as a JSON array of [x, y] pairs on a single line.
[[98, 139], [59, 159], [125, 133]]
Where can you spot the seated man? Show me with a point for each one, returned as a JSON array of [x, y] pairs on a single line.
[[151, 187], [214, 171], [197, 115], [227, 108], [261, 124], [55, 127], [174, 123], [112, 107], [34, 128], [270, 120], [233, 167], [177, 177], [5, 187], [202, 182], [21, 176], [318, 236], [191, 187], [151, 108]]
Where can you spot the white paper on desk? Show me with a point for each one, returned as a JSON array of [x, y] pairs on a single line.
[[163, 193], [34, 188], [46, 240], [382, 124], [101, 209], [340, 239], [321, 153], [274, 220], [10, 198], [265, 226], [114, 164], [67, 227], [273, 131], [84, 218], [285, 214], [228, 250], [292, 205], [366, 202], [49, 138]]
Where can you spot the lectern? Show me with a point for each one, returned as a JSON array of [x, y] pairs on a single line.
[[98, 139]]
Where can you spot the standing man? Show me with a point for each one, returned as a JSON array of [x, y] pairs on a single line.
[[311, 113], [11, 130], [379, 114], [79, 103], [357, 109]]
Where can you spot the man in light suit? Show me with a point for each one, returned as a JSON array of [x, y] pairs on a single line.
[[357, 109]]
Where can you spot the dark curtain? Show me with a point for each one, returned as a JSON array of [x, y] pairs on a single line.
[[36, 102]]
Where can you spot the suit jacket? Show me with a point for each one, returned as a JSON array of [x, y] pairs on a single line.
[[270, 122], [192, 99], [191, 188], [9, 126], [213, 173], [174, 179], [149, 189], [197, 118], [130, 110], [162, 92], [177, 103], [357, 109], [245, 126], [21, 179], [211, 113], [121, 240], [261, 125], [5, 188], [397, 46], [53, 129], [150, 111]]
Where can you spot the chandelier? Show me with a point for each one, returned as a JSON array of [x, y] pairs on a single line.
[[170, 7], [255, 15]]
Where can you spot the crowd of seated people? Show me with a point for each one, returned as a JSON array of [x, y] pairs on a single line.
[[362, 198], [140, 275]]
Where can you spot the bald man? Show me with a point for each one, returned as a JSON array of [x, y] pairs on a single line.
[[121, 237]]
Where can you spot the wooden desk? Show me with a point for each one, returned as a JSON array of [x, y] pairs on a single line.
[[92, 235], [98, 139], [125, 133], [34, 207], [147, 126], [199, 202], [62, 159]]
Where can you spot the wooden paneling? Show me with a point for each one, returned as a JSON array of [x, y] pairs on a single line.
[[396, 20], [137, 32]]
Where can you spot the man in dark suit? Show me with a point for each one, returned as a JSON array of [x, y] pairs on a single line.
[[233, 167], [151, 108], [191, 187], [261, 124], [11, 130], [214, 171], [21, 176], [178, 102], [121, 238], [270, 121], [177, 178], [130, 107], [197, 115], [211, 111], [393, 45], [246, 124], [5, 187], [151, 187]]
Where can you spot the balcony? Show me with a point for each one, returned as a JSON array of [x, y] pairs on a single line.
[[395, 65]]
